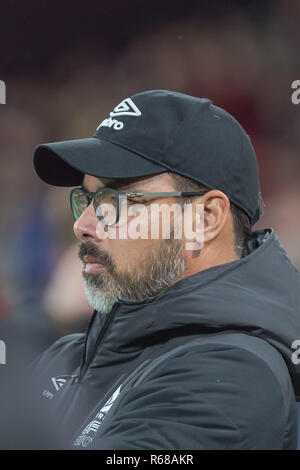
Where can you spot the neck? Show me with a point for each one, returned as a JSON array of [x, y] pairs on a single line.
[[207, 258]]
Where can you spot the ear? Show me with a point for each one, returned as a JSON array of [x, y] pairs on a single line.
[[216, 213]]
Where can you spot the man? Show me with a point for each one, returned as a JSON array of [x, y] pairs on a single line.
[[191, 341]]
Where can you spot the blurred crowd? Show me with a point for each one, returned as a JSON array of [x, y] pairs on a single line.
[[244, 65]]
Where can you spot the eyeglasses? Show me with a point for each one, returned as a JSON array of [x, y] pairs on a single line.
[[108, 202]]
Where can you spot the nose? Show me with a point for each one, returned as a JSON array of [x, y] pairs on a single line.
[[88, 226]]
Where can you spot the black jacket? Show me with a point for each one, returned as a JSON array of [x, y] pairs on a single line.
[[205, 365]]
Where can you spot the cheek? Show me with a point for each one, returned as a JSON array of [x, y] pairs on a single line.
[[130, 241], [128, 254]]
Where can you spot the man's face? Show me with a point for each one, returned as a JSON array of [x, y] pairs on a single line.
[[128, 268]]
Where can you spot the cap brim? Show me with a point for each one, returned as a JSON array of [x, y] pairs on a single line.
[[64, 163]]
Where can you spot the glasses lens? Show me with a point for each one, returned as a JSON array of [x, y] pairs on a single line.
[[106, 202], [79, 202]]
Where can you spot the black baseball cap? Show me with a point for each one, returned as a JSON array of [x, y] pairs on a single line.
[[157, 131]]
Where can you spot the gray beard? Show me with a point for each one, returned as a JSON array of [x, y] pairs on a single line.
[[157, 271]]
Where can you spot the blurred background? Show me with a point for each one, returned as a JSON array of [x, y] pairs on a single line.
[[67, 64]]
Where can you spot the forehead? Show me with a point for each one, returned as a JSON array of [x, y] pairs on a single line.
[[152, 182]]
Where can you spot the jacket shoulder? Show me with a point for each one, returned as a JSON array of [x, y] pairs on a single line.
[[215, 395], [64, 355]]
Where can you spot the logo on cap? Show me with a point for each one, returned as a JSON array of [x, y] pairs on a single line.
[[125, 108]]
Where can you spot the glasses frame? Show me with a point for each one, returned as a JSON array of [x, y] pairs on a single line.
[[91, 196]]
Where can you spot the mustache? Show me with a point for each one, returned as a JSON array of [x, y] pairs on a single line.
[[89, 249]]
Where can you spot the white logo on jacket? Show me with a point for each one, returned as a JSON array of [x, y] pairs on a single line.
[[58, 383], [91, 429]]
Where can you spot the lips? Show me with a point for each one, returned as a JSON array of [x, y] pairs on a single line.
[[92, 265]]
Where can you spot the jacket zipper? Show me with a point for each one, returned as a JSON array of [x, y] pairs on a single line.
[[85, 365]]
